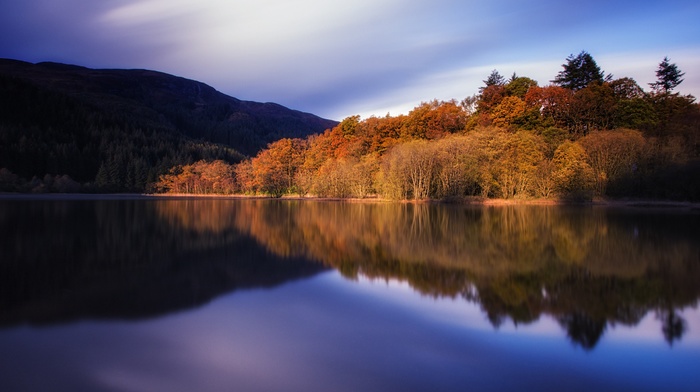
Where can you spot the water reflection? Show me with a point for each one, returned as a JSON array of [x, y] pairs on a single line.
[[64, 260], [588, 268]]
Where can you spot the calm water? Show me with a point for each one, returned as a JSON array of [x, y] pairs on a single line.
[[263, 295]]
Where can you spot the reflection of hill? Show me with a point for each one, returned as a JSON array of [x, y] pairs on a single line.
[[588, 267], [66, 260]]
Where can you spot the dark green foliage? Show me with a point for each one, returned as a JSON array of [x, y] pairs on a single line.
[[579, 71], [42, 132], [118, 130], [679, 181], [494, 79], [668, 77], [518, 86], [635, 113]]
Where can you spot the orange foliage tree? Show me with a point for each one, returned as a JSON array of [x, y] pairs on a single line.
[[507, 111], [513, 139], [433, 120], [201, 177], [273, 170]]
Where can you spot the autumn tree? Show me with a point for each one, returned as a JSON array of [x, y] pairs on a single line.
[[245, 177], [572, 175], [543, 184], [489, 142], [516, 164], [508, 111], [552, 137], [273, 169], [382, 133], [501, 103], [361, 175], [217, 177], [420, 167], [592, 108], [408, 170], [391, 178], [554, 103], [201, 177], [490, 97], [433, 120], [457, 167], [613, 155], [332, 178]]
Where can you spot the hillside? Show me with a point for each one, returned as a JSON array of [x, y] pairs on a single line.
[[121, 128]]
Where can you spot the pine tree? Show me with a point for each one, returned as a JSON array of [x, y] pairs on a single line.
[[669, 77], [494, 79], [579, 71]]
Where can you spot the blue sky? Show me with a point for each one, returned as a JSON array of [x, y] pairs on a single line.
[[345, 57]]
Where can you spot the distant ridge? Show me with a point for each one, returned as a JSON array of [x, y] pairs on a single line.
[[117, 130], [170, 102]]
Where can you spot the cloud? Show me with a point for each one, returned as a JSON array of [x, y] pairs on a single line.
[[340, 58]]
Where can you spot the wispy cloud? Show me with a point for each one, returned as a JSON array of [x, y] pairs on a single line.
[[346, 57]]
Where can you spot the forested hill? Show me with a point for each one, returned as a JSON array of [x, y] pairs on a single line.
[[119, 129], [158, 100]]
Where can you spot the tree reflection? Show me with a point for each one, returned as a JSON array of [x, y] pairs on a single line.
[[587, 267], [127, 259], [672, 325], [582, 329]]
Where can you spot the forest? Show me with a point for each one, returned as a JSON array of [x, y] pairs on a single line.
[[584, 135], [66, 128]]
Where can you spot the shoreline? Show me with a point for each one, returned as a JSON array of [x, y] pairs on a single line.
[[475, 201]]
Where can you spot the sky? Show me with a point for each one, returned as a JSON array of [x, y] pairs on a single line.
[[356, 57]]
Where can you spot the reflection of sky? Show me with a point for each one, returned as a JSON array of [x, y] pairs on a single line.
[[459, 313], [327, 333]]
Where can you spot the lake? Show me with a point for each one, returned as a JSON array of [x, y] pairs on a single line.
[[127, 293]]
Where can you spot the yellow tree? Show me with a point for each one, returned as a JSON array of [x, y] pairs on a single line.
[[420, 167], [332, 179], [489, 142], [516, 165], [457, 166], [408, 170], [361, 175], [572, 175]]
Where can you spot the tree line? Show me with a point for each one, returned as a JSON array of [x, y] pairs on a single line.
[[586, 134]]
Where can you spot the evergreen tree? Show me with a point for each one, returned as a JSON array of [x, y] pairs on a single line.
[[494, 79], [669, 77], [579, 71]]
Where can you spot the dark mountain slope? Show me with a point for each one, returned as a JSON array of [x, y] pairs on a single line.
[[120, 129], [160, 100]]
